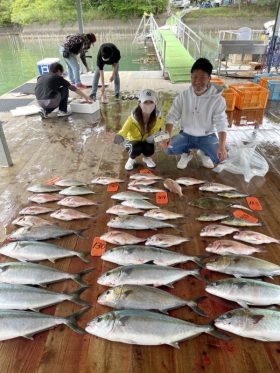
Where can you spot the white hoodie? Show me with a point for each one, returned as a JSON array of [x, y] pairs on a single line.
[[199, 115]]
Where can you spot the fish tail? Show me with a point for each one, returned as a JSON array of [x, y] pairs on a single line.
[[78, 276], [76, 296], [80, 231], [196, 273], [83, 256], [216, 333], [198, 260], [193, 304], [71, 320]]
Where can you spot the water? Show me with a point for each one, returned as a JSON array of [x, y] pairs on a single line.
[[19, 57]]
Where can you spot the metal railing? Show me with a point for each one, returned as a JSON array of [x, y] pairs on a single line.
[[233, 35], [159, 43]]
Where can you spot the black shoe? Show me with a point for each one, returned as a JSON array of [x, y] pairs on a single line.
[[43, 113], [93, 96], [117, 96]]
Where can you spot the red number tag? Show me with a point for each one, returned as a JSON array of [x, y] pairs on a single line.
[[254, 203], [146, 171], [243, 215], [161, 198], [98, 247], [113, 187]]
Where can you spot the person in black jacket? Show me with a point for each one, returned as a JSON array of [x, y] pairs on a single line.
[[74, 45], [52, 91], [108, 54]]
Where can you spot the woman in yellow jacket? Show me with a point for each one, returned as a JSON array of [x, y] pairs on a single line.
[[139, 130]]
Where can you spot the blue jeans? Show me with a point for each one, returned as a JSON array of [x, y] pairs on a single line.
[[73, 67], [96, 77], [183, 143]]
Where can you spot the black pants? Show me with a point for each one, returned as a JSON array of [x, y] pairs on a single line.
[[141, 147], [59, 101]]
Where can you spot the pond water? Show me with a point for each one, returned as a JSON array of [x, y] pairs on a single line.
[[19, 57]]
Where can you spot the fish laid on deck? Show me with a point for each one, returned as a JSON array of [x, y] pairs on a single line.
[[43, 188], [146, 298], [123, 210], [173, 186], [246, 292], [211, 203], [166, 240], [255, 238], [146, 328], [23, 297], [106, 180], [44, 198], [188, 181], [22, 273], [162, 214], [215, 187], [243, 266], [232, 194], [121, 238], [124, 196], [237, 222], [145, 188], [137, 222], [142, 182], [35, 210], [257, 323], [137, 254], [216, 230], [69, 182], [76, 201], [75, 191], [145, 274], [69, 214], [30, 221], [212, 217], [139, 203], [145, 177], [42, 232], [227, 247]]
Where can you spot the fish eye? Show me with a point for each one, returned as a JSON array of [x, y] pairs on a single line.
[[107, 274], [99, 319], [107, 292]]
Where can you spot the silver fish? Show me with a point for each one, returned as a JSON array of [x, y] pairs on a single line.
[[243, 266], [227, 247], [69, 214], [142, 182], [146, 298], [22, 297], [106, 180], [137, 254], [42, 232], [257, 323], [232, 194], [173, 187], [69, 182], [215, 187], [255, 238], [35, 251], [145, 274], [212, 217], [30, 221], [246, 292], [43, 188], [75, 191], [44, 198], [148, 328], [161, 214], [216, 230], [25, 324], [35, 210], [165, 240], [123, 210], [76, 201], [124, 196], [139, 203], [187, 181], [145, 188], [121, 238], [145, 177], [137, 222], [22, 273], [240, 222]]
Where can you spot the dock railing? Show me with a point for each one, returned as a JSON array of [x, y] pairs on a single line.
[[159, 43]]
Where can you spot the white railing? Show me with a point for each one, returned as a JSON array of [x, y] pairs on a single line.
[[234, 35]]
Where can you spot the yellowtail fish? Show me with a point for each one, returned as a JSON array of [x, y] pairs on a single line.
[[121, 238]]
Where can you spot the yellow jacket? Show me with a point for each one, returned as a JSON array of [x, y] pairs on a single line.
[[131, 129]]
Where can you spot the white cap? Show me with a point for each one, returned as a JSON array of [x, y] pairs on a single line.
[[148, 95]]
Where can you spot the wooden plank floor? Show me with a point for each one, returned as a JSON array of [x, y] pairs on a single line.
[[78, 147]]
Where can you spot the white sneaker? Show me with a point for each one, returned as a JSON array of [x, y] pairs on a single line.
[[149, 162], [206, 161], [63, 113], [184, 160], [129, 164]]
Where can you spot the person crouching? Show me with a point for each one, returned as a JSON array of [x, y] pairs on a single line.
[[139, 130]]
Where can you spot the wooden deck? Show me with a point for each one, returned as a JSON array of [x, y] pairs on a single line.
[[78, 147]]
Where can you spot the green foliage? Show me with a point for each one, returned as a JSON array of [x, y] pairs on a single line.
[[5, 12]]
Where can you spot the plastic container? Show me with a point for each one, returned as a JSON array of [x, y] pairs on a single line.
[[80, 106], [274, 88], [250, 96], [229, 95], [263, 81], [217, 81], [259, 76], [44, 65]]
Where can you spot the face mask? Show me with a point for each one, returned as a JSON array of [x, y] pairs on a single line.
[[147, 108]]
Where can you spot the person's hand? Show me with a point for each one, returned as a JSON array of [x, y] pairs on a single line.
[[222, 153], [165, 143], [110, 136], [111, 78], [102, 90], [88, 100]]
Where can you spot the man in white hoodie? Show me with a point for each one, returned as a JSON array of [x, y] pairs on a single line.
[[201, 111]]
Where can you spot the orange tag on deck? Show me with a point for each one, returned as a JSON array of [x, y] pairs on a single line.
[[161, 198], [146, 171], [113, 187], [243, 215], [254, 203], [53, 180], [98, 247]]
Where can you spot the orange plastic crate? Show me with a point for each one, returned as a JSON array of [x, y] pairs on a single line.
[[250, 96], [217, 81], [229, 95], [264, 80]]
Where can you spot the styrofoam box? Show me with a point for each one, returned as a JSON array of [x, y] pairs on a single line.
[[87, 79], [44, 65], [80, 106]]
